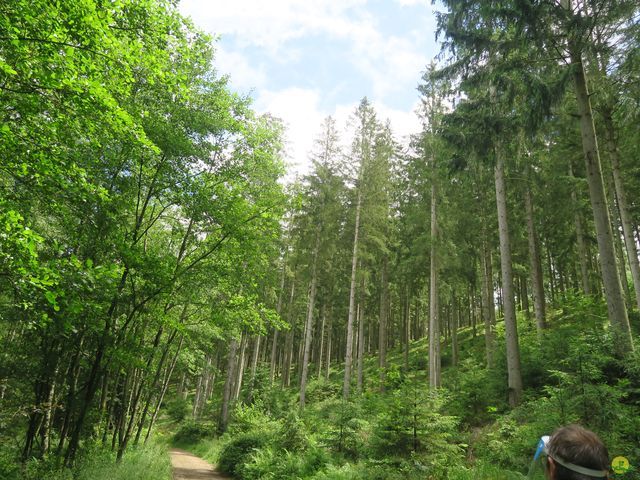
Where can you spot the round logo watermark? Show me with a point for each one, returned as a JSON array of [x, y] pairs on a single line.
[[620, 465]]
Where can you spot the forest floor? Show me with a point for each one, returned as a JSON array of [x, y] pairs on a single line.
[[189, 467]]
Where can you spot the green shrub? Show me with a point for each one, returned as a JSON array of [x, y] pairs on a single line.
[[321, 390], [177, 409], [272, 463], [254, 417], [238, 449], [477, 393], [9, 468], [193, 432], [343, 427], [293, 435], [413, 422]]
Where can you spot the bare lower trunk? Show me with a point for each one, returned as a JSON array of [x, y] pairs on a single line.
[[619, 248], [163, 390], [155, 385], [228, 383], [511, 329], [535, 266], [308, 329], [255, 354], [348, 358], [625, 217], [288, 347], [274, 356], [455, 319], [73, 372], [136, 394], [274, 345], [406, 315], [434, 321], [613, 291], [329, 338], [48, 411], [360, 344], [237, 385], [382, 329], [322, 333], [583, 256]]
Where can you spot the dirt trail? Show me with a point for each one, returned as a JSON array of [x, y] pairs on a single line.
[[190, 467]]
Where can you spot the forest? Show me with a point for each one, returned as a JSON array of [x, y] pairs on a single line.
[[402, 311]]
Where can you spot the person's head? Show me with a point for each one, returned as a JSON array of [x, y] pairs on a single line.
[[573, 446]]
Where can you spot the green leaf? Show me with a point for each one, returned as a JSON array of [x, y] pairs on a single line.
[[51, 297]]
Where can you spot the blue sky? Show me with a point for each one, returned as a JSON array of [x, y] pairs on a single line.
[[303, 60]]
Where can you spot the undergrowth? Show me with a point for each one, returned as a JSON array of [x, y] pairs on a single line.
[[150, 462], [466, 430]]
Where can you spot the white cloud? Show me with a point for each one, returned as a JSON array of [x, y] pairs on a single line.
[[269, 24], [299, 109], [411, 3], [403, 123], [391, 64], [300, 112], [243, 75]]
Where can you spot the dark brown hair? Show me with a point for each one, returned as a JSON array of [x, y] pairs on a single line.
[[577, 445]]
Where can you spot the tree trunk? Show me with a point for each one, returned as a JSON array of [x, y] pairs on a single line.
[[274, 356], [348, 357], [254, 364], [48, 410], [360, 341], [434, 321], [613, 291], [329, 346], [455, 316], [488, 306], [406, 315], [288, 347], [154, 383], [382, 329], [274, 345], [136, 393], [163, 390], [223, 422], [308, 329], [322, 333], [583, 255], [621, 196], [618, 246], [94, 374], [73, 372], [237, 385], [535, 265], [511, 329]]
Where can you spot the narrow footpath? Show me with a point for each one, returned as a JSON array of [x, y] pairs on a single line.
[[189, 467]]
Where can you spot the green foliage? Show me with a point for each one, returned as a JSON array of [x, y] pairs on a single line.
[[293, 436], [238, 450], [193, 432], [412, 423], [344, 427], [134, 182], [476, 393], [178, 408], [273, 463], [145, 463], [253, 418], [465, 431]]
